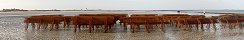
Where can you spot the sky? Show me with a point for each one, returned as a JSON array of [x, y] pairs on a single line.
[[125, 4]]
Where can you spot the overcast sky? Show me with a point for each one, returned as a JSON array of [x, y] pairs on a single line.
[[124, 4]]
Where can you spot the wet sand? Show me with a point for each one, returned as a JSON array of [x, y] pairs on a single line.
[[12, 28]]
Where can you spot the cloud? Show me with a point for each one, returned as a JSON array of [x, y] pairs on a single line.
[[123, 4]]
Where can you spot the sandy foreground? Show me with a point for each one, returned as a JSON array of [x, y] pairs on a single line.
[[12, 28]]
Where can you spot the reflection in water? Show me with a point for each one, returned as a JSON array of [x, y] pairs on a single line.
[[12, 28]]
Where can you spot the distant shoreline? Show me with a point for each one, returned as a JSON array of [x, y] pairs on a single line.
[[182, 11]]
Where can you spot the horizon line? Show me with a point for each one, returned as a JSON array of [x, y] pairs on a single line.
[[123, 9], [117, 9]]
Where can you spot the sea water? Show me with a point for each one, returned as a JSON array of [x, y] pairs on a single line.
[[12, 28]]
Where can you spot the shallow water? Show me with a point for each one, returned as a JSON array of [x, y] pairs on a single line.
[[12, 28]]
